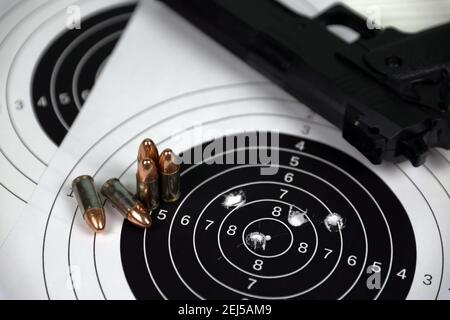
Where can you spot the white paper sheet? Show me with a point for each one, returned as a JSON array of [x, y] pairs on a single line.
[[27, 29], [165, 81]]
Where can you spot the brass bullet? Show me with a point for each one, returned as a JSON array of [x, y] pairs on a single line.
[[148, 150], [169, 170], [147, 180], [89, 203], [131, 208]]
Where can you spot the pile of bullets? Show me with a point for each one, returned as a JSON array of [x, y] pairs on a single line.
[[157, 177]]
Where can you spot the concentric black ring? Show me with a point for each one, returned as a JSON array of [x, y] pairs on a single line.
[[68, 69], [187, 255]]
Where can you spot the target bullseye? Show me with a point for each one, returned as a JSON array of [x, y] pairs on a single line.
[[267, 238], [279, 239], [308, 231]]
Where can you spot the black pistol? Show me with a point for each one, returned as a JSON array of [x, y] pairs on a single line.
[[388, 91]]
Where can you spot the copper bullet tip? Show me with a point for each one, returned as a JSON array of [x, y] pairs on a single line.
[[140, 216], [89, 202], [169, 162], [147, 171], [148, 150], [127, 204], [95, 219]]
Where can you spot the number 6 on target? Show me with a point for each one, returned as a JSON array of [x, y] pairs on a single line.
[[289, 177]]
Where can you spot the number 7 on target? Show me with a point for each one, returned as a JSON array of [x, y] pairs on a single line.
[[283, 193]]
